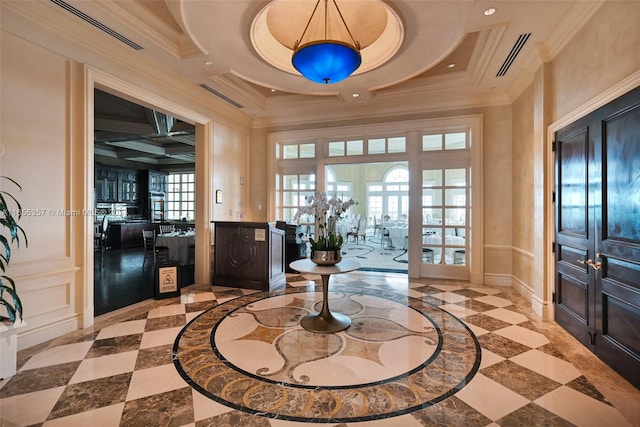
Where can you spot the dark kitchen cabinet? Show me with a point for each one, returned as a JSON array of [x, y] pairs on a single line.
[[106, 184], [129, 186], [117, 185], [158, 182]]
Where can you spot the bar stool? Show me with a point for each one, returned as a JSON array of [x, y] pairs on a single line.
[[459, 256], [427, 255], [386, 242]]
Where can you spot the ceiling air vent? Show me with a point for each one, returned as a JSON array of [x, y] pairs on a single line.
[[221, 96], [97, 24], [515, 50]]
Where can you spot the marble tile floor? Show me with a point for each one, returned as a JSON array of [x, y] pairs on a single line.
[[121, 370]]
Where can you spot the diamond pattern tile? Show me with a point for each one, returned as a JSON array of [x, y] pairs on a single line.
[[123, 374]]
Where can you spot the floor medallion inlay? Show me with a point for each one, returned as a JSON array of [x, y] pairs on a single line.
[[399, 355]]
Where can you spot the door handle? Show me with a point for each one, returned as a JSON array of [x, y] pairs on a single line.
[[594, 265]]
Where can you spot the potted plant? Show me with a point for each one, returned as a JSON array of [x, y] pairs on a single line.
[[11, 311], [325, 248]]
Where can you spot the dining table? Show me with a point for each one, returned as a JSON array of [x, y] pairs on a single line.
[[178, 243], [397, 234]]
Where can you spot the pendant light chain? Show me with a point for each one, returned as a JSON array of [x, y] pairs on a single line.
[[355, 43], [297, 43], [326, 24]]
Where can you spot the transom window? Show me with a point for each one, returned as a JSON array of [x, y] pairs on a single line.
[[396, 144], [444, 141], [297, 151], [346, 148]]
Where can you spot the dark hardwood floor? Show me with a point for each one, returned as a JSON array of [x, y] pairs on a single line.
[[120, 279]]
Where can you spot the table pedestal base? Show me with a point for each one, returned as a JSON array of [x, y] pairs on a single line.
[[323, 324]]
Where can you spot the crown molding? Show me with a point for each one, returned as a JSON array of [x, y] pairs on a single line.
[[399, 105]]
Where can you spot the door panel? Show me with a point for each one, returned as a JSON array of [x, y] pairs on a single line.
[[621, 140], [573, 183], [618, 245], [598, 233], [574, 280]]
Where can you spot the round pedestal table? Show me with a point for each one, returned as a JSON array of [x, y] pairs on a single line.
[[325, 322]]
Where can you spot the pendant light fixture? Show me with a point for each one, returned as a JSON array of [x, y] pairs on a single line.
[[326, 61]]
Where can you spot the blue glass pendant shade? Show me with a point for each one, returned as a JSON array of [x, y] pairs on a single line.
[[326, 61]]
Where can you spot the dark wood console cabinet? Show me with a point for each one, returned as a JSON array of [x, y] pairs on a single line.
[[249, 255]]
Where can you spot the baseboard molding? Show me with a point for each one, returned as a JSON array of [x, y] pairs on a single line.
[[498, 280], [522, 288], [47, 332], [539, 307]]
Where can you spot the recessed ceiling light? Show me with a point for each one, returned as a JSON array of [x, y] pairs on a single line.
[[273, 91], [208, 62], [490, 11], [355, 95], [451, 65]]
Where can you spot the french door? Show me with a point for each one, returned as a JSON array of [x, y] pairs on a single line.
[[597, 268]]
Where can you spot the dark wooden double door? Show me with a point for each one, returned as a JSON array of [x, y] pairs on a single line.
[[597, 290]]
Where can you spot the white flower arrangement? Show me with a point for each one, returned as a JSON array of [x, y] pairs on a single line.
[[326, 212]]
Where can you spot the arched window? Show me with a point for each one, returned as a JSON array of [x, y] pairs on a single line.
[[396, 193], [335, 187], [391, 196]]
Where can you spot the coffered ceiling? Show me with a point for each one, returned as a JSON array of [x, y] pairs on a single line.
[[127, 132], [452, 54]]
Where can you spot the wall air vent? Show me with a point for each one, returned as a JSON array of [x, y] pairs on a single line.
[[97, 24], [221, 96], [515, 50]]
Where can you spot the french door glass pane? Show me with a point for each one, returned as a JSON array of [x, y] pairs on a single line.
[[289, 182], [455, 177], [444, 229], [295, 189], [432, 178]]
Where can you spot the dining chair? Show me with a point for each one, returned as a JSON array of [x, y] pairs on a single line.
[[459, 256], [360, 231], [101, 235], [151, 250], [167, 229], [377, 226]]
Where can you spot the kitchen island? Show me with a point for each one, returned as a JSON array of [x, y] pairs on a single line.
[[128, 234]]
